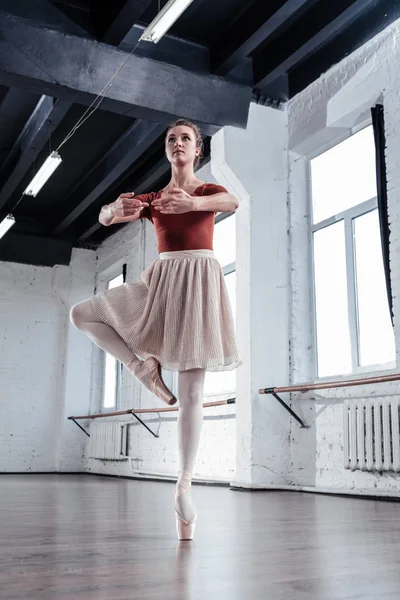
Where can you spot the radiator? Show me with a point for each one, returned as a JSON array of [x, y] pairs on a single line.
[[108, 441], [371, 434]]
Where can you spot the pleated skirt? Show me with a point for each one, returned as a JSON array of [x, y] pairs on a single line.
[[179, 313]]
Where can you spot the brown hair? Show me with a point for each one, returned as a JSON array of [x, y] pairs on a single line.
[[197, 133]]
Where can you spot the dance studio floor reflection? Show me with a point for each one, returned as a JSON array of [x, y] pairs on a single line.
[[67, 537]]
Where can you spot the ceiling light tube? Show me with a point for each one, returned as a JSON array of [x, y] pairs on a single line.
[[5, 225], [164, 20], [44, 173]]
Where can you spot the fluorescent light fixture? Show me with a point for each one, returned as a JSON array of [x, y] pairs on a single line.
[[164, 20], [5, 225], [44, 173]]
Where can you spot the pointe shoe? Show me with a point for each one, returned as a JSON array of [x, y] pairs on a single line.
[[185, 529], [148, 373]]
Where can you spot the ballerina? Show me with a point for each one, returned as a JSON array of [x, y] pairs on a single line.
[[178, 317]]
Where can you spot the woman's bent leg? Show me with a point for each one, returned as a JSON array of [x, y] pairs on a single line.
[[147, 372], [84, 318]]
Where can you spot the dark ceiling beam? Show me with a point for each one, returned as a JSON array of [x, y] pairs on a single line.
[[352, 38], [76, 69], [78, 12], [46, 117], [285, 54], [37, 250], [128, 13], [244, 36], [124, 31], [89, 231], [43, 13], [170, 49], [15, 108], [31, 225], [121, 156]]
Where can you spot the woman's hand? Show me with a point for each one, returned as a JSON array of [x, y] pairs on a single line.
[[126, 206], [176, 201], [123, 210]]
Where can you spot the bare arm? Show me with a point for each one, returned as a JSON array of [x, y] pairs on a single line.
[[178, 201], [106, 216], [221, 202], [123, 210]]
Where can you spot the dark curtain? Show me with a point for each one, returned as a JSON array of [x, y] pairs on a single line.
[[378, 124], [124, 267]]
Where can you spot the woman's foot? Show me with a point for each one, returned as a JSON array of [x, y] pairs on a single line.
[[148, 372], [185, 510]]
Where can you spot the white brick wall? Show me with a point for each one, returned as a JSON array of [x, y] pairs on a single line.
[[321, 113], [34, 398]]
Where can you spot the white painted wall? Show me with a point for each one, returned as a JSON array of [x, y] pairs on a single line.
[[253, 164], [326, 110], [44, 368], [135, 244]]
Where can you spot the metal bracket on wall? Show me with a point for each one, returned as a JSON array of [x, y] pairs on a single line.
[[80, 426], [132, 412], [128, 412], [272, 392], [144, 424]]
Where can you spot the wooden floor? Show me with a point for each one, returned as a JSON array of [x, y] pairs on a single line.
[[93, 538]]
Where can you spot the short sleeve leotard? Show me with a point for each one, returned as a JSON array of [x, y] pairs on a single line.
[[187, 231]]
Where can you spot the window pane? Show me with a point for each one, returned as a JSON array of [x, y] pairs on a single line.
[[376, 336], [344, 176], [225, 240], [110, 381], [230, 282], [111, 364], [224, 381], [333, 337], [115, 282]]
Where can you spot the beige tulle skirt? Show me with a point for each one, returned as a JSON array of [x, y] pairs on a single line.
[[179, 313]]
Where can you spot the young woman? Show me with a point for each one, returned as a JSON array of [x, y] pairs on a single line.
[[178, 317]]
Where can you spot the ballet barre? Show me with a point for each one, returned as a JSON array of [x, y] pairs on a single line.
[[135, 411], [306, 387]]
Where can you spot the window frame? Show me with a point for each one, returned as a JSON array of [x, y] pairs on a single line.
[[348, 216], [227, 269], [103, 280]]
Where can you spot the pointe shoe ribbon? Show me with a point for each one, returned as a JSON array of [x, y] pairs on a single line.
[[185, 529], [148, 373]]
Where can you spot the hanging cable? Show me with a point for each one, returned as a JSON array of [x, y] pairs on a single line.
[[89, 111], [97, 101], [87, 114], [14, 207]]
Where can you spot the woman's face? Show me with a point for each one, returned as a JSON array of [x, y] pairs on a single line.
[[180, 145]]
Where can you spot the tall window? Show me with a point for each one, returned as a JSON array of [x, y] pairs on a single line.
[[112, 367], [224, 382], [352, 319]]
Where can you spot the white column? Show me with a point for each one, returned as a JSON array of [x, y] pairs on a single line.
[[252, 164]]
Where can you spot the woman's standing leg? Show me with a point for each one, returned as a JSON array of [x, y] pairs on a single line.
[[190, 420]]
